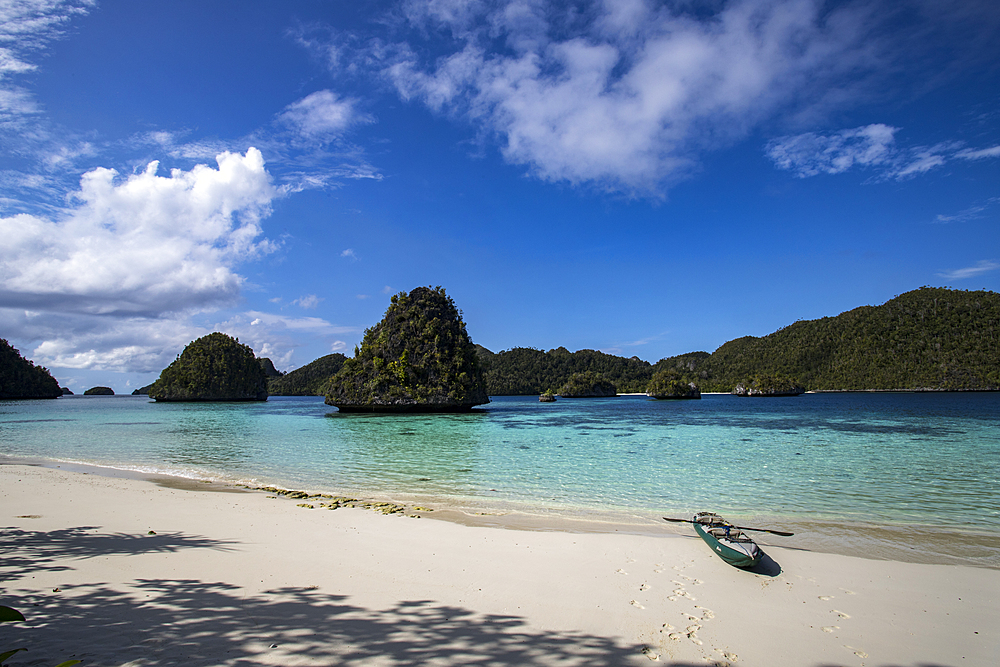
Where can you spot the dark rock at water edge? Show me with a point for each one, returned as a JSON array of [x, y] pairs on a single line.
[[99, 391], [547, 397], [21, 378], [215, 367], [587, 385], [419, 358], [66, 391]]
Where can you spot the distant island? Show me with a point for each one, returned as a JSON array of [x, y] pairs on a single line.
[[99, 391], [587, 384], [929, 339], [310, 380]]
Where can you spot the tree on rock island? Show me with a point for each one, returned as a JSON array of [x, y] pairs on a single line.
[[21, 378], [419, 358], [215, 367], [587, 384]]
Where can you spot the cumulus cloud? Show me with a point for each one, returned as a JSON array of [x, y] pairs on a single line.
[[981, 267], [143, 245], [113, 281], [323, 115], [625, 94]]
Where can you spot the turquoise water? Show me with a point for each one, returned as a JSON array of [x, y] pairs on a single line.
[[926, 459]]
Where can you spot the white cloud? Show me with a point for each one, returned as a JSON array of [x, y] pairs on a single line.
[[338, 346], [278, 336], [810, 154], [349, 253], [625, 95], [971, 154], [26, 26], [871, 146], [308, 302], [323, 115], [981, 267], [146, 245], [971, 213]]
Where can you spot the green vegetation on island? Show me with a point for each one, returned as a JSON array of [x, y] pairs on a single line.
[[21, 378], [523, 371], [419, 358], [587, 384], [215, 367], [927, 339], [310, 380], [99, 391], [669, 383]]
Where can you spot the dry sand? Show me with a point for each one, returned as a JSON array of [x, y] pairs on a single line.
[[240, 579]]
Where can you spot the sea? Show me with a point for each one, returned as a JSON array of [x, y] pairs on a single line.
[[905, 476]]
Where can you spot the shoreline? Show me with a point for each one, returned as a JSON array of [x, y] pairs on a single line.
[[115, 570], [880, 541]]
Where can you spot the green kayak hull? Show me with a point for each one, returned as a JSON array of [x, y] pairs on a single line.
[[732, 556]]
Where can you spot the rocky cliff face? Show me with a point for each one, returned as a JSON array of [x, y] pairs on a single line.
[[419, 358]]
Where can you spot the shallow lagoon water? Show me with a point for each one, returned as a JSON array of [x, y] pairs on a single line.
[[925, 459]]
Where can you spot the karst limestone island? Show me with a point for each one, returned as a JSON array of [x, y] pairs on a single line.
[[419, 358], [215, 367], [21, 378]]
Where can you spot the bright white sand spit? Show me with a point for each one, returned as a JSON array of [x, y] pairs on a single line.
[[242, 579]]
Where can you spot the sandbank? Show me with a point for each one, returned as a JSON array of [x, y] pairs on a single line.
[[124, 571]]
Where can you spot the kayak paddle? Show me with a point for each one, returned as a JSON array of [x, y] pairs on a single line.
[[760, 530]]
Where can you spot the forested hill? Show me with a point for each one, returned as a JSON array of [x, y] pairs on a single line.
[[525, 371], [310, 380], [930, 338]]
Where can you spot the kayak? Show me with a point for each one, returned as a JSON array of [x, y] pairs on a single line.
[[729, 542]]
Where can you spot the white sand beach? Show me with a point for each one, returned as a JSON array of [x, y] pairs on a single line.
[[238, 578]]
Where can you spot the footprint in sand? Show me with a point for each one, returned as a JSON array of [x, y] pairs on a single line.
[[848, 592], [649, 653], [858, 652], [644, 587], [635, 604], [620, 571], [830, 628], [668, 627], [732, 657], [825, 597], [706, 614], [839, 613]]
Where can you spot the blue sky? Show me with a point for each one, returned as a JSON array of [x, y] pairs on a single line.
[[636, 177]]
